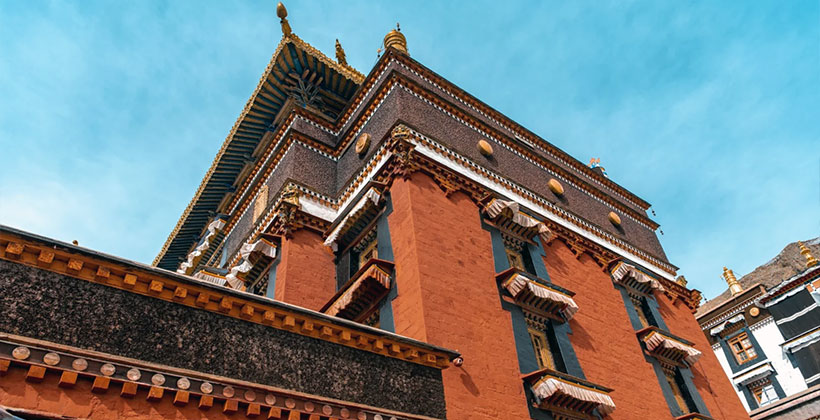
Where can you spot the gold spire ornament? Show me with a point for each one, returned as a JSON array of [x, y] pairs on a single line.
[[396, 39], [283, 16], [340, 53], [734, 285], [804, 250]]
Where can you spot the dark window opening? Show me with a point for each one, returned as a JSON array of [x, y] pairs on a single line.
[[683, 399], [642, 308], [363, 251], [544, 343], [518, 255]]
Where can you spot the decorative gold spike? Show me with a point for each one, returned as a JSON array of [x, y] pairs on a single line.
[[804, 250], [734, 285], [396, 39], [340, 53], [283, 16]]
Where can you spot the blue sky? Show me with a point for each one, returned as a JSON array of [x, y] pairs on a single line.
[[111, 111]]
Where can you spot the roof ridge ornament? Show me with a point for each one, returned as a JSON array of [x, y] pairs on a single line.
[[283, 16], [340, 53], [731, 280], [804, 250], [396, 39]]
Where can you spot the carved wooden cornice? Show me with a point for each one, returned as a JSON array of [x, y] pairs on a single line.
[[183, 290]]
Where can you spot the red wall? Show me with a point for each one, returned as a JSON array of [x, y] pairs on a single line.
[[447, 296], [306, 274]]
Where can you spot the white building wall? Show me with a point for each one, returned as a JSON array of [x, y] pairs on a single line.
[[769, 339]]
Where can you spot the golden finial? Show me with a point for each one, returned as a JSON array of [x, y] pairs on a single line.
[[396, 39], [810, 260], [340, 53], [283, 15], [681, 281], [734, 285]]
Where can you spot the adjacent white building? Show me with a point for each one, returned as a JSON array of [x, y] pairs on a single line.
[[765, 331]]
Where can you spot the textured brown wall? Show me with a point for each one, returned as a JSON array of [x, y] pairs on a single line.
[[447, 295]]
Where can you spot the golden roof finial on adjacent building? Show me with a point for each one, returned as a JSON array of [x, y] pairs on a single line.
[[283, 15], [810, 260], [340, 53], [734, 285], [396, 39]]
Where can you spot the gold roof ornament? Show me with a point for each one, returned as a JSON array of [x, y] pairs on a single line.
[[804, 250], [283, 16], [340, 53], [731, 280], [396, 39]]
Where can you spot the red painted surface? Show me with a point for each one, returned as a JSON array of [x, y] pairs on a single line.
[[306, 274], [713, 385], [447, 296]]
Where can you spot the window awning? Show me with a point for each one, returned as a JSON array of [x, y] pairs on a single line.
[[356, 219], [629, 275], [541, 297], [359, 297], [203, 246], [212, 275], [506, 214], [756, 373], [725, 324], [668, 346], [556, 389], [801, 342], [261, 247]]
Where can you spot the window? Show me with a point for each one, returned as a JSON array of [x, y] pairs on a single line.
[[517, 254], [764, 392], [543, 343], [679, 391], [640, 305], [742, 348], [515, 259], [363, 251]]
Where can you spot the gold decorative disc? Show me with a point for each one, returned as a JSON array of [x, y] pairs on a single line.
[[555, 186], [485, 148], [614, 218], [362, 143]]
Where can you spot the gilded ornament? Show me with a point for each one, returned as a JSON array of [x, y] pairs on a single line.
[[485, 148], [289, 403], [183, 383], [270, 399], [362, 143], [345, 413], [327, 410], [51, 358], [79, 364], [283, 16], [395, 39], [206, 388], [754, 311], [614, 218], [228, 391], [108, 369], [340, 53], [21, 353], [555, 186], [309, 407], [810, 260]]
